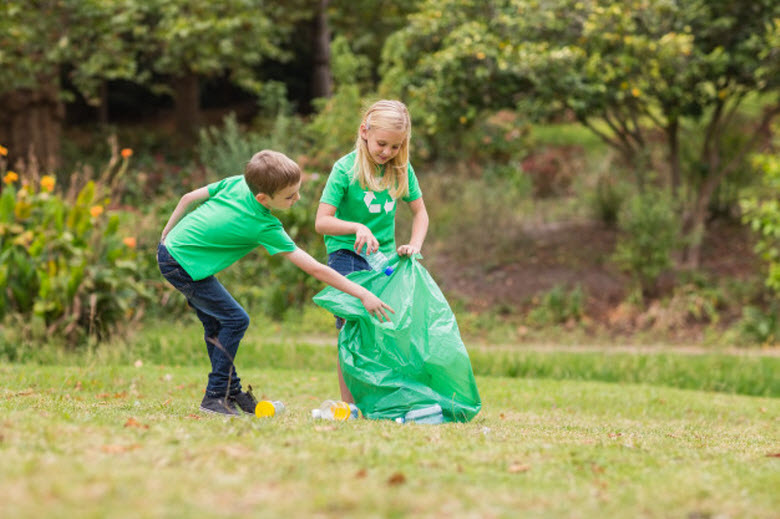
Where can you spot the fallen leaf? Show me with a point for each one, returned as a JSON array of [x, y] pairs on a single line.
[[132, 422], [396, 479], [773, 455], [193, 416], [360, 474], [517, 468], [615, 435]]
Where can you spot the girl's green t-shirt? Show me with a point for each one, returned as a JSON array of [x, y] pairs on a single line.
[[224, 229], [375, 209]]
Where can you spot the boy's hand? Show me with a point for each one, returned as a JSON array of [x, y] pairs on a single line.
[[364, 237], [376, 307], [408, 250]]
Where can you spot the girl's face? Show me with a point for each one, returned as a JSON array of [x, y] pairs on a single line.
[[383, 145]]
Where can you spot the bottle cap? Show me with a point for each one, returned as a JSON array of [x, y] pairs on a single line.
[[264, 408]]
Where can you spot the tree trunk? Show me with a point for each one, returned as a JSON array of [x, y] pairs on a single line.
[[673, 142], [322, 84], [103, 107], [31, 128], [186, 95]]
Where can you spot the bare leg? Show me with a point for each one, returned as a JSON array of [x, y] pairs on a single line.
[[345, 394]]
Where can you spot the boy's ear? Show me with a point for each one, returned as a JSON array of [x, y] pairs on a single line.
[[262, 198]]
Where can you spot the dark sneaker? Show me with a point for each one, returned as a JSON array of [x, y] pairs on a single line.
[[244, 400], [218, 405]]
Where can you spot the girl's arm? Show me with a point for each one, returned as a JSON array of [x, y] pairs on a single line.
[[419, 228], [193, 197], [311, 266], [327, 223]]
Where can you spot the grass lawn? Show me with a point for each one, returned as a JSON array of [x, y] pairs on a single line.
[[118, 440]]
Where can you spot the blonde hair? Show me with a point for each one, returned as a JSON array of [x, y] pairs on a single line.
[[269, 171], [385, 115]]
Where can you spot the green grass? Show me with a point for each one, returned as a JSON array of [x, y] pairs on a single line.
[[123, 441]]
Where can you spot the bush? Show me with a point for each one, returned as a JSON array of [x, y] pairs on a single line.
[[650, 233], [558, 306], [66, 269]]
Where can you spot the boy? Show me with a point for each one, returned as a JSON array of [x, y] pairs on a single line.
[[233, 218]]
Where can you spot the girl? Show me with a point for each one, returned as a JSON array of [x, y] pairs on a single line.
[[357, 206]]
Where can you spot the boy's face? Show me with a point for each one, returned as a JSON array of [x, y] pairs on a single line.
[[383, 145], [285, 198]]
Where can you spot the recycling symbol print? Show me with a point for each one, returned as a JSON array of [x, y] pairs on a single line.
[[374, 208]]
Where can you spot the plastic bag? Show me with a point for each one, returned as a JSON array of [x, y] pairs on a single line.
[[416, 360]]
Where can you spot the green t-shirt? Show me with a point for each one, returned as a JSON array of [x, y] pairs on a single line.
[[375, 209], [224, 229]]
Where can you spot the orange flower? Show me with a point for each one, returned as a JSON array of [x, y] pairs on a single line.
[[130, 242], [10, 177], [96, 210], [3, 151], [47, 183], [126, 153]]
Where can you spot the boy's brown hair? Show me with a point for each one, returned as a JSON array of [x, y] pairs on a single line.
[[269, 171]]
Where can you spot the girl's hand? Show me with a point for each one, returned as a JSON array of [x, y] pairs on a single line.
[[376, 307], [408, 250], [364, 237]]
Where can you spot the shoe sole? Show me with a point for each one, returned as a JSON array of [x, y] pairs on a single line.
[[211, 411]]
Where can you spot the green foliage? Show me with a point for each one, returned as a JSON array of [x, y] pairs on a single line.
[[92, 38], [761, 325], [607, 199], [626, 70], [558, 306], [762, 214], [650, 233], [334, 129], [67, 268]]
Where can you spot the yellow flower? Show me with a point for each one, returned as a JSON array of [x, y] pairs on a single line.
[[3, 151], [126, 153], [635, 92], [480, 55], [130, 242], [96, 210], [10, 177], [47, 183], [463, 119]]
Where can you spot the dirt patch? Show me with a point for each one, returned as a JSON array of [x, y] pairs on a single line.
[[576, 254]]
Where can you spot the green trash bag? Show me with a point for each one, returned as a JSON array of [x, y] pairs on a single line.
[[416, 360]]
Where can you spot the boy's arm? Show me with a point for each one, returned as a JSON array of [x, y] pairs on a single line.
[[327, 223], [419, 228], [193, 197], [311, 266]]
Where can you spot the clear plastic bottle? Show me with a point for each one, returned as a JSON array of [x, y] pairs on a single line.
[[333, 410], [267, 408], [430, 415], [378, 262]]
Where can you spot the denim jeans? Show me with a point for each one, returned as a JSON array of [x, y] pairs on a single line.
[[345, 261], [224, 322]]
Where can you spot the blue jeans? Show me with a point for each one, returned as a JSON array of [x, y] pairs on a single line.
[[224, 322], [345, 261]]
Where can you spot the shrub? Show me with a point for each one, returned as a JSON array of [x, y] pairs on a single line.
[[650, 233], [66, 268], [558, 306]]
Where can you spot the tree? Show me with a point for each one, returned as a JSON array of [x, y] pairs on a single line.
[[188, 40], [626, 70], [42, 41]]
